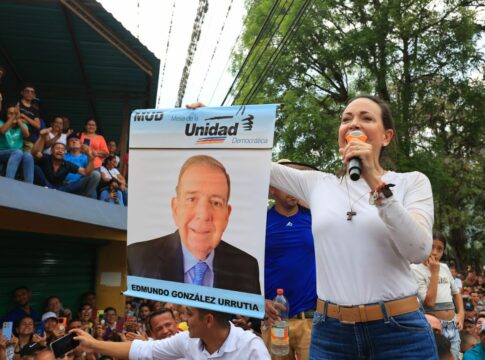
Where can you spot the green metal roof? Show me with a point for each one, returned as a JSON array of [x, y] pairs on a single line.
[[81, 60]]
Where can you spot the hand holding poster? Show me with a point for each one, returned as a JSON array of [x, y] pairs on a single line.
[[198, 194]]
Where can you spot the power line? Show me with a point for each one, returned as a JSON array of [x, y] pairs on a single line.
[[255, 64], [215, 49], [225, 67], [258, 38], [166, 53], [274, 58], [199, 20], [272, 61]]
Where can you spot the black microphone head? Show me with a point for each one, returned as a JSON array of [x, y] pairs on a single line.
[[355, 168]]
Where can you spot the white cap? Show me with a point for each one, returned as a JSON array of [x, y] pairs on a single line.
[[49, 315]]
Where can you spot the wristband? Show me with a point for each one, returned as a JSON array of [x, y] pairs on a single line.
[[382, 191]]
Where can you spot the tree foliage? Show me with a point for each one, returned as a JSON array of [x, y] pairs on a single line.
[[421, 56]]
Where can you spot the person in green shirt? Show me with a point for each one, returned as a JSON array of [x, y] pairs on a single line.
[[478, 351], [12, 135]]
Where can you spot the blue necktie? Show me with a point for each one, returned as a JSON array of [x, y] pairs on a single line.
[[200, 269]]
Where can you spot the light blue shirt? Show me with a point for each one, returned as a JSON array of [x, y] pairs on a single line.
[[189, 267]]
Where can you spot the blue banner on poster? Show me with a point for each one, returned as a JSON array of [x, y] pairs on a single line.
[[245, 304]]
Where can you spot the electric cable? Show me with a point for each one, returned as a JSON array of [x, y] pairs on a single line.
[[273, 59], [241, 87], [215, 49], [255, 43], [166, 53]]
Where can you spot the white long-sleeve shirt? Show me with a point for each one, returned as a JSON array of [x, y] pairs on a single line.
[[239, 345], [365, 260]]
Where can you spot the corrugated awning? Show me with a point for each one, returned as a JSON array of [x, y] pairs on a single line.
[[82, 61]]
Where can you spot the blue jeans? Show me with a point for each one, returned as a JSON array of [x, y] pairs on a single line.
[[86, 186], [13, 158], [451, 333], [406, 336]]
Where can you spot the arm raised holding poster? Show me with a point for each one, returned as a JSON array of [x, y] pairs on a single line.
[[196, 253]]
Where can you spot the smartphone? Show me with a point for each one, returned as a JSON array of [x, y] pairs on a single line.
[[7, 329], [63, 345], [100, 316], [62, 323], [39, 331], [87, 142]]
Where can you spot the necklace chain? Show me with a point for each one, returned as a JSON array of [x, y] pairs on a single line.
[[351, 212]]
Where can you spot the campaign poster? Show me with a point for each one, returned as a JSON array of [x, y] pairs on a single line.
[[198, 197]]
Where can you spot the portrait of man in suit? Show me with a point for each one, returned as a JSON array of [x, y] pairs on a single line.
[[195, 253]]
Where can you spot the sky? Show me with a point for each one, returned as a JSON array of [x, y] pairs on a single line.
[[149, 21]]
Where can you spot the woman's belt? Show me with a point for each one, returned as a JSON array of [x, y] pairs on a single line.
[[370, 312]]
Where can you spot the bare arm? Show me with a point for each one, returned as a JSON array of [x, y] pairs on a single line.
[[104, 177], [24, 129], [40, 143], [35, 122], [88, 169], [120, 350], [103, 150], [7, 125], [460, 310], [50, 142], [3, 348], [434, 267]]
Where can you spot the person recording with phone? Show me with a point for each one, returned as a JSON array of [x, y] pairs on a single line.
[[52, 328], [367, 228], [112, 194], [95, 142], [109, 171]]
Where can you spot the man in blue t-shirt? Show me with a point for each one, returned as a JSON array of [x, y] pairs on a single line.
[[22, 297], [290, 265], [75, 156]]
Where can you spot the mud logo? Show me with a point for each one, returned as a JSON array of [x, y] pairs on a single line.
[[149, 116]]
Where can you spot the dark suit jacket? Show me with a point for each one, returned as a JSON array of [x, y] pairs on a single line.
[[162, 259]]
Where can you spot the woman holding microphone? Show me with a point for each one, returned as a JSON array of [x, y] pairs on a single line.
[[366, 234]]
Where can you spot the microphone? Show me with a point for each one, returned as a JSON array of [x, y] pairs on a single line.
[[355, 165]]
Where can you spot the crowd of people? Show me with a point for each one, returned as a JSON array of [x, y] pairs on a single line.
[[35, 329], [58, 157], [362, 234]]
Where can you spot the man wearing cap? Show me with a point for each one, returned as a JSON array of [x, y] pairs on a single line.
[[469, 310], [52, 332], [75, 156], [53, 169], [478, 351], [290, 264]]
